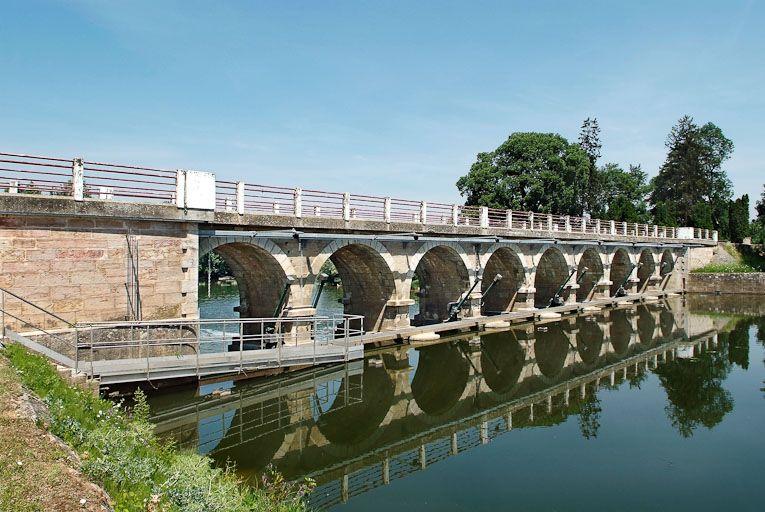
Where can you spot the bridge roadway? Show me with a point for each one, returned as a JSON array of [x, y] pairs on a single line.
[[294, 429]]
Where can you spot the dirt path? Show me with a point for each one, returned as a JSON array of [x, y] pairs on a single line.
[[36, 472]]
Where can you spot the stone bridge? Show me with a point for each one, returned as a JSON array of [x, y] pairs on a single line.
[[96, 242]]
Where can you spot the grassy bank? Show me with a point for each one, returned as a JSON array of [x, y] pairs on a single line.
[[120, 452], [745, 260]]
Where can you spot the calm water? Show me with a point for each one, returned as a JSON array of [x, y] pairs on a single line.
[[654, 407]]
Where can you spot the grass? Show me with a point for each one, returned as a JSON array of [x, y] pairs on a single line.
[[120, 452], [747, 260]]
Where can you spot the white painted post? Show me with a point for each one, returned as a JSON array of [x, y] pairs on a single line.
[[655, 231], [13, 187], [549, 222], [568, 224], [484, 216], [386, 210], [624, 228], [240, 197], [78, 179], [180, 188], [455, 215], [531, 220], [297, 201], [714, 235], [509, 219], [597, 226], [346, 206], [584, 225], [612, 229], [423, 212]]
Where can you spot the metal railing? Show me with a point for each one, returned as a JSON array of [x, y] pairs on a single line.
[[81, 179]]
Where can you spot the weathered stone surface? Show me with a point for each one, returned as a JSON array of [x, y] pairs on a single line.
[[750, 283]]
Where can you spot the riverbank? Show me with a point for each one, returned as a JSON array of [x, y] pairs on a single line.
[[80, 443]]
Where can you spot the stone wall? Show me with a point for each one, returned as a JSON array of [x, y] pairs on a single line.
[[77, 267], [751, 283]]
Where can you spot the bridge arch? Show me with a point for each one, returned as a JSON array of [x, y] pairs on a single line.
[[444, 276], [589, 340], [440, 378], [620, 331], [590, 259], [551, 272], [646, 268], [621, 268], [260, 268], [366, 273], [506, 262], [551, 348], [646, 325], [502, 360]]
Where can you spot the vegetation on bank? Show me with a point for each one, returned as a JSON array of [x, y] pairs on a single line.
[[140, 472], [745, 260]]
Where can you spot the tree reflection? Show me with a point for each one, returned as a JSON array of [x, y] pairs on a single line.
[[694, 389], [589, 415]]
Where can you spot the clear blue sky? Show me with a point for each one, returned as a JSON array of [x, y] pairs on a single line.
[[388, 98]]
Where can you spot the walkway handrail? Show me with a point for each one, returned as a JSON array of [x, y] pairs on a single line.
[[81, 179], [39, 308]]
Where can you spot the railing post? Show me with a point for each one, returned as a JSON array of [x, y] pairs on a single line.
[[624, 228], [386, 210], [612, 228], [583, 220], [714, 235], [597, 226], [484, 216], [549, 222], [78, 179], [240, 197], [568, 224], [655, 231], [346, 206], [180, 188], [13, 187], [455, 215], [423, 212], [509, 219], [298, 202], [531, 221]]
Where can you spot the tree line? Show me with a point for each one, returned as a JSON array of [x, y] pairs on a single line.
[[544, 172]]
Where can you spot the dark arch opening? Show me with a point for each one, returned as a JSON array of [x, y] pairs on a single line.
[[589, 340], [666, 266], [646, 325], [502, 295], [502, 359], [552, 272], [349, 423], [621, 267], [443, 278], [646, 268], [440, 379], [591, 260], [667, 322], [259, 278], [551, 348], [265, 424], [367, 283], [621, 331]]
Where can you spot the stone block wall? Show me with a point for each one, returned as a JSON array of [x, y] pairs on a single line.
[[77, 267], [751, 283]]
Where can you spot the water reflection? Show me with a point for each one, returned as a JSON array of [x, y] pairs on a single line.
[[357, 427]]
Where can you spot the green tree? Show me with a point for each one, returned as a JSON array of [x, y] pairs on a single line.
[[621, 194], [738, 219], [758, 226], [691, 184], [531, 171], [217, 265], [589, 141]]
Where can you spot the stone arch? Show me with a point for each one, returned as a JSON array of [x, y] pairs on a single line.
[[444, 276], [646, 268], [440, 379], [620, 330], [350, 423], [507, 263], [366, 275], [260, 268], [621, 268], [591, 260], [551, 272], [502, 359], [667, 264], [589, 340], [551, 348]]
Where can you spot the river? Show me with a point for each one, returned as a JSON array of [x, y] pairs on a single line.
[[652, 407]]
